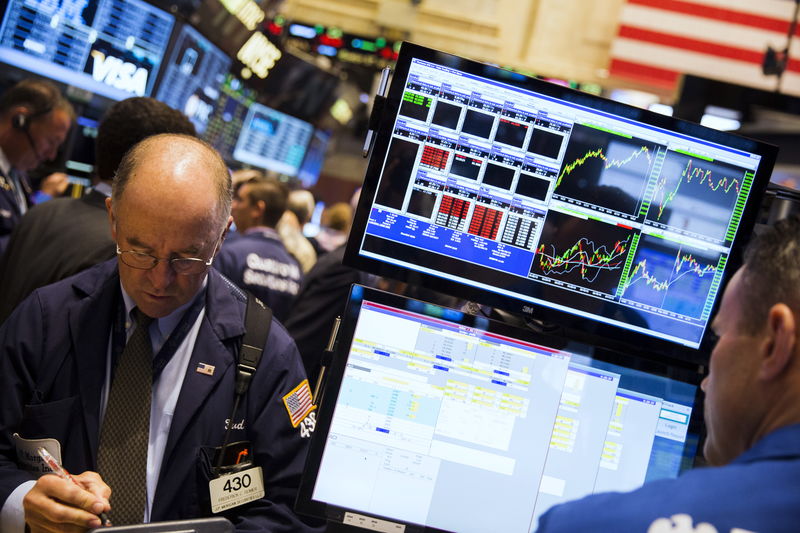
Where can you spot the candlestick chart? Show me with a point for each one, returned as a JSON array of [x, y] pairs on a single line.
[[597, 162], [671, 276], [583, 252]]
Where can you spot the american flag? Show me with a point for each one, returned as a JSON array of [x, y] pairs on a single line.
[[205, 368], [719, 39], [298, 403]]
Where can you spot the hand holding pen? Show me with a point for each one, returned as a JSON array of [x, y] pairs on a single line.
[[48, 505]]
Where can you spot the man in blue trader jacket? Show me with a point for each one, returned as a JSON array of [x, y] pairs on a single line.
[[752, 410], [169, 212], [257, 261]]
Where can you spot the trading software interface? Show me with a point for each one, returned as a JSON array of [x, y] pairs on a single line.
[[273, 140], [193, 76], [555, 203], [110, 47], [461, 429]]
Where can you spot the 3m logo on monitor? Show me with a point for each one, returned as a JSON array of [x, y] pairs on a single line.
[[119, 74]]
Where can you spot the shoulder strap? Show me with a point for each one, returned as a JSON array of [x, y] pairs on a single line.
[[257, 322]]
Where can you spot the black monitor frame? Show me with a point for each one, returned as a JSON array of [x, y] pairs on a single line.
[[574, 326], [327, 400]]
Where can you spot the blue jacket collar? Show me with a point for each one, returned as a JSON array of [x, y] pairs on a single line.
[[783, 443]]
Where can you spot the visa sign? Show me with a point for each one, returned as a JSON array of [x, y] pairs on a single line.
[[119, 74]]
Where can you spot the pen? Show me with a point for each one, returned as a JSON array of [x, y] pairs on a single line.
[[61, 472]]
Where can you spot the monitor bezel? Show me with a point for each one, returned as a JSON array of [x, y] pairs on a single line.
[[586, 330], [326, 401]]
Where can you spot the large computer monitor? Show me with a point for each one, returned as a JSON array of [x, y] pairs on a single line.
[[192, 76], [435, 418], [617, 222], [272, 140], [109, 47]]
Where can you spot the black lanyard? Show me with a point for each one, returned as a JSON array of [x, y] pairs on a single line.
[[169, 348]]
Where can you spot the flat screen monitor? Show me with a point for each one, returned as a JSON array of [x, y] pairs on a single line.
[[80, 163], [435, 418], [228, 116], [109, 47], [308, 174], [272, 140], [192, 76], [613, 221]]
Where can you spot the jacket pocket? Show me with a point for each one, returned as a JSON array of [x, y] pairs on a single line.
[[53, 419]]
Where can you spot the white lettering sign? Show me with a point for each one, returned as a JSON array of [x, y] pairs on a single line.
[[118, 73]]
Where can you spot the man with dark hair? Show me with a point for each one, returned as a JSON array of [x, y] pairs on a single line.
[[34, 121], [258, 261], [61, 237], [129, 371], [752, 413]]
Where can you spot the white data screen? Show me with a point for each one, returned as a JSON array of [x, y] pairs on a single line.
[[435, 423]]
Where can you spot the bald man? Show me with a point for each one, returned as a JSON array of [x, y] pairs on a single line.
[[64, 346]]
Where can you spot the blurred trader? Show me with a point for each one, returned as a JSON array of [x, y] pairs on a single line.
[[34, 121], [258, 261], [752, 411], [66, 369], [65, 236], [290, 227], [335, 225]]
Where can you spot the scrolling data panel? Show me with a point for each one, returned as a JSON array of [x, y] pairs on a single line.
[[111, 47], [457, 428], [554, 203]]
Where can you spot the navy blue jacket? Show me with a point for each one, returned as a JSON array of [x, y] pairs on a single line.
[[759, 491], [52, 364], [259, 262]]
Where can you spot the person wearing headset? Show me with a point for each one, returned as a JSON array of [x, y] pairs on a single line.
[[34, 121]]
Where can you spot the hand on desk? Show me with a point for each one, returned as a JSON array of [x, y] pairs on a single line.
[[58, 505]]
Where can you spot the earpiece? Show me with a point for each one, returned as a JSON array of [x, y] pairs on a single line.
[[20, 121]]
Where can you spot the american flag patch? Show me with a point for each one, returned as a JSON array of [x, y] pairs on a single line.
[[205, 368], [298, 403]]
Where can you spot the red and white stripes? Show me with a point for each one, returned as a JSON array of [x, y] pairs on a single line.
[[658, 40]]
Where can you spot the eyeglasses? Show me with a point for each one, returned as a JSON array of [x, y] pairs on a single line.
[[181, 265]]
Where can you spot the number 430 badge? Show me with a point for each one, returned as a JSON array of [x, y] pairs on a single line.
[[232, 490]]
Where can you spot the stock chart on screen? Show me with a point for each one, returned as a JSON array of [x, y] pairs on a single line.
[[544, 197]]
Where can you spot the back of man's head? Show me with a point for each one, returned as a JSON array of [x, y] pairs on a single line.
[[771, 272], [130, 121], [301, 203], [338, 217], [273, 193], [37, 96]]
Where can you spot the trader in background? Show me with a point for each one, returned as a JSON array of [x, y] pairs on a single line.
[[64, 236], [128, 371], [257, 261], [34, 121], [752, 411]]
